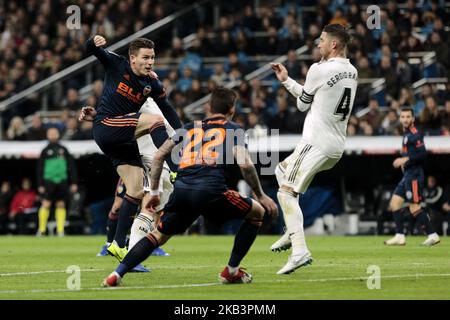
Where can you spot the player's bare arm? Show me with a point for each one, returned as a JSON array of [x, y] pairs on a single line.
[[280, 71], [251, 177]]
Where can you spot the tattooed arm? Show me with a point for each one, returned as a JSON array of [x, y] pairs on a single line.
[[158, 161], [250, 175]]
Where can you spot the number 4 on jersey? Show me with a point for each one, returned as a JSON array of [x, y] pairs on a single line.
[[344, 104]]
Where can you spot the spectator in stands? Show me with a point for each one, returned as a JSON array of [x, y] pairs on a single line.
[[16, 130], [430, 118], [37, 130], [255, 123], [6, 195], [72, 100], [85, 132], [23, 206], [219, 76], [292, 65], [390, 123], [364, 69], [445, 118], [72, 131], [195, 92], [435, 43], [177, 50], [185, 82], [386, 71], [374, 117], [403, 72]]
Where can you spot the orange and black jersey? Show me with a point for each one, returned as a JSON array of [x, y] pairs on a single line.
[[206, 153], [414, 148], [124, 92]]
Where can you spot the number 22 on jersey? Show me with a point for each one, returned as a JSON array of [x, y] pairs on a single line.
[[202, 147]]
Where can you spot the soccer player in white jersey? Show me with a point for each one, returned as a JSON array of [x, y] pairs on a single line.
[[327, 95]]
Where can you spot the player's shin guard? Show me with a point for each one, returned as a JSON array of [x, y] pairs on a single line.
[[111, 226], [139, 253], [60, 216], [243, 241], [398, 219], [127, 210], [293, 218], [423, 219], [43, 215], [142, 225]]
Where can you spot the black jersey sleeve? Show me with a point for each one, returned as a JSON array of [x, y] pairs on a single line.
[[106, 57]]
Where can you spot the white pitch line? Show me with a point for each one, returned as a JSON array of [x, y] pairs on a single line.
[[43, 272], [416, 275]]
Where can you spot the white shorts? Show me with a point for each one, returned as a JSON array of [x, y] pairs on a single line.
[[165, 186], [302, 165]]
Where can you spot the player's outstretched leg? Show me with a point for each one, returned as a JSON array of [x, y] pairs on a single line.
[[136, 255], [293, 218], [243, 240], [399, 238]]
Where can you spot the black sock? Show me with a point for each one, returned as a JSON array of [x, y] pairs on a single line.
[[141, 251], [398, 219], [159, 135], [127, 210], [423, 219], [243, 241], [111, 227]]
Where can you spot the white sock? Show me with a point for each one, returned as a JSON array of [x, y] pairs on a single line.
[[433, 235], [142, 224], [293, 217], [401, 235], [279, 174]]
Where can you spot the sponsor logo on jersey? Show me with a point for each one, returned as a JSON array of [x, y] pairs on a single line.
[[129, 93]]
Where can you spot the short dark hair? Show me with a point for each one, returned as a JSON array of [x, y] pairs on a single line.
[[222, 100], [406, 109], [338, 31], [139, 43]]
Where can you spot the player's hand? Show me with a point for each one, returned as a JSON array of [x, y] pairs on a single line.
[[87, 113], [41, 189], [152, 203], [73, 188], [99, 41], [400, 162], [280, 71], [269, 205]]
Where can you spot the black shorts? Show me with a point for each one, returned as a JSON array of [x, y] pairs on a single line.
[[186, 205], [115, 137], [411, 186], [56, 191]]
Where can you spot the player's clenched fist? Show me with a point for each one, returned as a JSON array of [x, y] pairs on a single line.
[[99, 41]]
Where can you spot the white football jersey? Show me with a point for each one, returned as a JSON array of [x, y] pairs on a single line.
[[329, 93], [145, 143]]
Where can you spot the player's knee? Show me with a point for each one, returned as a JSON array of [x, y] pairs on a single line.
[[46, 204], [256, 212], [155, 120]]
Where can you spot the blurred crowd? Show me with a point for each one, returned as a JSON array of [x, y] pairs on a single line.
[[34, 44]]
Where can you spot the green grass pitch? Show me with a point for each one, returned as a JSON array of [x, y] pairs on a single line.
[[35, 268]]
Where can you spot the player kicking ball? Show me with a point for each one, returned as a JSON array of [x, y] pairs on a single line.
[[412, 184]]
